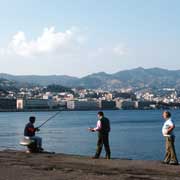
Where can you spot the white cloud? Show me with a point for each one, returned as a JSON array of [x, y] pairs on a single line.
[[96, 52], [70, 43], [116, 50], [120, 50], [50, 41]]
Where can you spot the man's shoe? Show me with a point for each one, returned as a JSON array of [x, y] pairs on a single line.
[[173, 163], [41, 149], [108, 157], [95, 157], [164, 162]]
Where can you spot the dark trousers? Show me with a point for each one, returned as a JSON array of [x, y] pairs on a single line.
[[103, 139], [170, 155]]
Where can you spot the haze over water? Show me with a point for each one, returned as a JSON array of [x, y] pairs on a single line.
[[134, 135]]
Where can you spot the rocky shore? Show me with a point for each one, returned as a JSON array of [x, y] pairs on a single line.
[[16, 165]]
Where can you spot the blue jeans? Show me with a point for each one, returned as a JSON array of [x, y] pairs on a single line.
[[38, 141]]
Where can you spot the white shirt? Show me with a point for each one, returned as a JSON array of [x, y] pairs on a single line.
[[168, 123], [98, 126]]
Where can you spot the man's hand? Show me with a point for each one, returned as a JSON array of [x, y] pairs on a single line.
[[170, 129], [37, 129], [91, 129]]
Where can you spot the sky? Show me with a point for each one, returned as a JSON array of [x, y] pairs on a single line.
[[80, 37]]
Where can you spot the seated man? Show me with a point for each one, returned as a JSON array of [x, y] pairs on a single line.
[[29, 131]]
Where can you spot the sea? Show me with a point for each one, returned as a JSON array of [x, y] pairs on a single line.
[[135, 134]]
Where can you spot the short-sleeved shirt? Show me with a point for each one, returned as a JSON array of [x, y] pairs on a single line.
[[168, 123]]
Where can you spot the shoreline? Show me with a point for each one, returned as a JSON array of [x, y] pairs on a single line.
[[66, 110], [22, 166]]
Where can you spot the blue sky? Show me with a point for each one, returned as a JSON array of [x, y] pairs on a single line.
[[79, 37]]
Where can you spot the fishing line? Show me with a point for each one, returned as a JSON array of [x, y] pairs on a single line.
[[49, 119]]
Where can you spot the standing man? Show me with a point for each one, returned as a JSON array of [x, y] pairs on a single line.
[[167, 131], [103, 129], [29, 131]]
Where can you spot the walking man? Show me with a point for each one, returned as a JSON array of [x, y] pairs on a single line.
[[103, 129], [167, 131]]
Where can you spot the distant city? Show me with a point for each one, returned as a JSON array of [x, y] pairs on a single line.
[[56, 97]]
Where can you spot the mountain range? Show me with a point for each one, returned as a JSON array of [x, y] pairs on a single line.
[[135, 78]]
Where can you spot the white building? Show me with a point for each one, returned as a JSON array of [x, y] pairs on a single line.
[[34, 104], [82, 105]]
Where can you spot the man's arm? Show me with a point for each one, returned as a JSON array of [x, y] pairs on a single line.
[[170, 129], [31, 128], [97, 128]]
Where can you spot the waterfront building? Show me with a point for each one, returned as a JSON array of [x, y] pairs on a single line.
[[147, 104], [128, 104], [35, 104], [20, 104], [104, 104], [7, 104], [82, 105], [108, 96]]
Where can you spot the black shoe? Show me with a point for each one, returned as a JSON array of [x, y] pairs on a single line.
[[95, 157], [174, 163], [164, 162], [41, 149]]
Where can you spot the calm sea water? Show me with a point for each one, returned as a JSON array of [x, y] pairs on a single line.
[[134, 135]]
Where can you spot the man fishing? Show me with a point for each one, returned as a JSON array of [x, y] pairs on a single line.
[[29, 131], [103, 129]]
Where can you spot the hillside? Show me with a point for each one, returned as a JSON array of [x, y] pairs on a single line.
[[135, 78]]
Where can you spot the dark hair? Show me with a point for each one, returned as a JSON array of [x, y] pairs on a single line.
[[168, 114], [100, 113], [32, 119]]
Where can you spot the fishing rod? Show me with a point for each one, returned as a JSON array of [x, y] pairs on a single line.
[[49, 119]]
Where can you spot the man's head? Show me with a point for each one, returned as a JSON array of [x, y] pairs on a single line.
[[100, 114], [32, 119], [166, 115]]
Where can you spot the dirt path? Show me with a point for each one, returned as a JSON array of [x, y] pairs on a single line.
[[21, 166]]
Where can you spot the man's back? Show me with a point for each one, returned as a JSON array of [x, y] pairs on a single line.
[[105, 125]]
